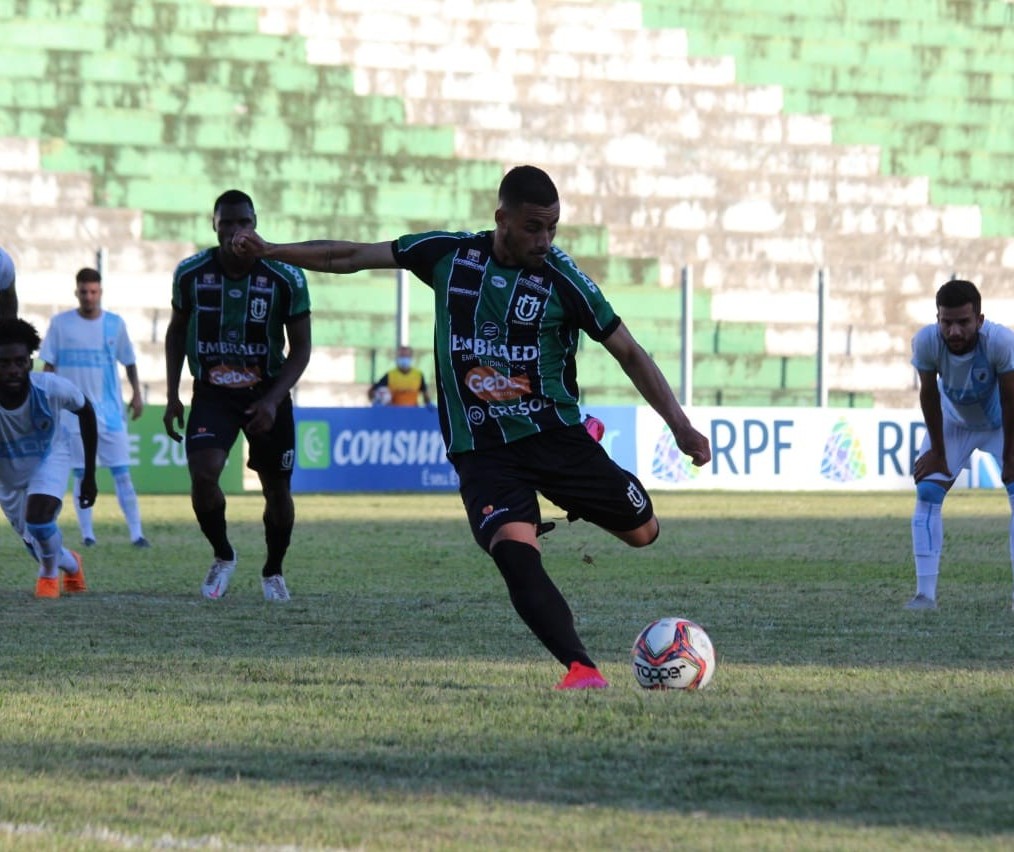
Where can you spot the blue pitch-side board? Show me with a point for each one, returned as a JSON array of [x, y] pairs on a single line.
[[400, 449]]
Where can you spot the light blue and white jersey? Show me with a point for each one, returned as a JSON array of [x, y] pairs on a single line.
[[29, 432], [6, 270], [969, 387], [87, 351]]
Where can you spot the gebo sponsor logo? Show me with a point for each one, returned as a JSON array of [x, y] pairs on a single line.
[[492, 386], [233, 376]]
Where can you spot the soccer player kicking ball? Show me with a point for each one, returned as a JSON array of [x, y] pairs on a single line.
[[966, 392], [509, 311], [35, 456]]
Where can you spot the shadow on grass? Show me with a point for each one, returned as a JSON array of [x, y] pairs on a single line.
[[820, 598], [868, 781]]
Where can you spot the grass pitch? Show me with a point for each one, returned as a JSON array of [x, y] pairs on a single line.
[[398, 702]]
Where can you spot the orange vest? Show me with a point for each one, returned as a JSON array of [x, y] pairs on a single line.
[[405, 387]]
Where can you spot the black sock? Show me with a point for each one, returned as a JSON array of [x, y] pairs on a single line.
[[538, 601], [212, 524], [277, 539]]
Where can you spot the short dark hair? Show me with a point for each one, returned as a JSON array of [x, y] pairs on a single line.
[[87, 274], [232, 196], [527, 185], [19, 331], [958, 292]]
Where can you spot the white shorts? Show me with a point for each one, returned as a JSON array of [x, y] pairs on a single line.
[[113, 450], [49, 478], [959, 444]]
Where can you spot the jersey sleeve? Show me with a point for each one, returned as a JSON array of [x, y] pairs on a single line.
[[61, 392], [924, 350], [6, 270], [50, 344], [299, 303], [298, 295], [180, 293], [1002, 345], [420, 253], [585, 301], [124, 348]]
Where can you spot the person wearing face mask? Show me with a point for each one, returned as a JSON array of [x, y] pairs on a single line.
[[404, 384]]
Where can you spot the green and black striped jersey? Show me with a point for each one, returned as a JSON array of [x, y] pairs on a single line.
[[504, 337], [236, 328]]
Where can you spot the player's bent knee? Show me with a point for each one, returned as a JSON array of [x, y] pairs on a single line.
[[931, 491], [643, 535]]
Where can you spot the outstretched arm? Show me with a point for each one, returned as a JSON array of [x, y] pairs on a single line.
[[339, 256], [652, 385]]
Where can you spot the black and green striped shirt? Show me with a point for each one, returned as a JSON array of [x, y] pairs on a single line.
[[236, 328], [504, 337]]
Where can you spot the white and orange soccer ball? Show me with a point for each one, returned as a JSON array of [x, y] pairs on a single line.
[[673, 653]]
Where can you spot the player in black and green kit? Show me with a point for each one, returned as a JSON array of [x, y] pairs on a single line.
[[509, 311], [231, 316]]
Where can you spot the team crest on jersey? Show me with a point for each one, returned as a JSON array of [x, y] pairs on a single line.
[[258, 309], [43, 424], [636, 497], [527, 308], [980, 376]]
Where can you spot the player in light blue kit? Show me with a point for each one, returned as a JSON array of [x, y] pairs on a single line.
[[85, 346], [966, 392], [35, 457], [8, 290]]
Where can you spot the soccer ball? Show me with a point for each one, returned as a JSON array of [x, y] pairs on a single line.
[[673, 653], [382, 396]]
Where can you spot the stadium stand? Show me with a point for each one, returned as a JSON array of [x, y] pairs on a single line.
[[735, 138]]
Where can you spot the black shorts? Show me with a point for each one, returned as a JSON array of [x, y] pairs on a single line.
[[567, 466], [218, 414]]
